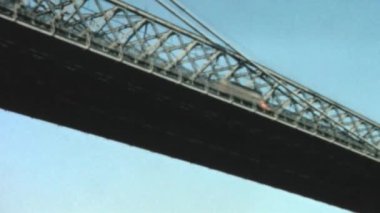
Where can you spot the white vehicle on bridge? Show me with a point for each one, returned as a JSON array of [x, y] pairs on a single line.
[[241, 92]]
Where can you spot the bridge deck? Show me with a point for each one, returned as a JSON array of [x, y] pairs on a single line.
[[43, 77]]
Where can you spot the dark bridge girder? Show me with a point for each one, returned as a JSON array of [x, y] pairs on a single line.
[[48, 79]]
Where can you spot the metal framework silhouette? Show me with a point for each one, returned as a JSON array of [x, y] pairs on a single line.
[[124, 33]]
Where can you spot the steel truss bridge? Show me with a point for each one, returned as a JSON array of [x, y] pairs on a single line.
[[109, 68]]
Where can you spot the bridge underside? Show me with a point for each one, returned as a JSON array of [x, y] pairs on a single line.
[[48, 79]]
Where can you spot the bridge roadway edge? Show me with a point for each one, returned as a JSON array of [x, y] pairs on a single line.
[[48, 79]]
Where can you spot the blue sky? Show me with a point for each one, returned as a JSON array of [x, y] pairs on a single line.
[[331, 46]]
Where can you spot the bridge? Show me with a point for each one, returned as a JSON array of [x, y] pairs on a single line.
[[108, 68]]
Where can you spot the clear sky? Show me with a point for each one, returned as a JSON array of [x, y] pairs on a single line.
[[332, 46]]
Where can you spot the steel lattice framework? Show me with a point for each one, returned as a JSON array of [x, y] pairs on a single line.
[[127, 34]]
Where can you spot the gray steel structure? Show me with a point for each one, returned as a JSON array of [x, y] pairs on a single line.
[[128, 35], [120, 31]]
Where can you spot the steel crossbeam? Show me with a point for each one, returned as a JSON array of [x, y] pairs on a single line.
[[121, 31]]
